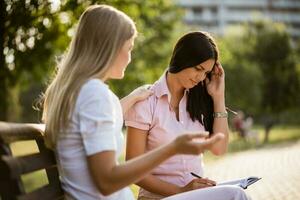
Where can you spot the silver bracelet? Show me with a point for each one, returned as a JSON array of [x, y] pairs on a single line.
[[220, 114]]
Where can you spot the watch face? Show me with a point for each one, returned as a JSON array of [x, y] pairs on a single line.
[[220, 114]]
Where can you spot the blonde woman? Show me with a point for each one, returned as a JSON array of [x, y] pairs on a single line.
[[84, 117]]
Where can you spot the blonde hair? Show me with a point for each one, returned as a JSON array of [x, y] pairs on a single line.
[[102, 31]]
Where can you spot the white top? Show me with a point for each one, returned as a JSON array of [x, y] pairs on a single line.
[[96, 126]]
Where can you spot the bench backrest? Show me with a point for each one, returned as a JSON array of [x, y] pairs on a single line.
[[12, 167]]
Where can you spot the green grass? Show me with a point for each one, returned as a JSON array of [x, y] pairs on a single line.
[[278, 135]]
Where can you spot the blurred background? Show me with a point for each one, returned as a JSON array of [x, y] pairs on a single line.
[[259, 41]]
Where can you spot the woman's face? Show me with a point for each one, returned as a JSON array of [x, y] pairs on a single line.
[[190, 77], [122, 60]]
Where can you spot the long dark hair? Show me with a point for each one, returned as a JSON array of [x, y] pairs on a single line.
[[191, 50]]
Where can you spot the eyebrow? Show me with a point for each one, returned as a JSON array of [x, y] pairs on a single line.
[[202, 67]]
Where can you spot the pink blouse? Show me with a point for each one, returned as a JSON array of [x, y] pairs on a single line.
[[156, 116]]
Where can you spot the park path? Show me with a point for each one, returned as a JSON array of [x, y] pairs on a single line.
[[278, 165]]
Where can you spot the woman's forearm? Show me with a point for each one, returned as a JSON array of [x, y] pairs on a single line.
[[157, 186], [112, 177], [119, 176], [220, 125]]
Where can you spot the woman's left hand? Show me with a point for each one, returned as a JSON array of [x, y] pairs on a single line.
[[141, 92], [136, 95], [216, 85]]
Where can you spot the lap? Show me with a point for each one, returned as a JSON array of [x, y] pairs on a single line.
[[224, 192]]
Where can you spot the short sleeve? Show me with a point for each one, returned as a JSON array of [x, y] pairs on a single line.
[[96, 118], [139, 115]]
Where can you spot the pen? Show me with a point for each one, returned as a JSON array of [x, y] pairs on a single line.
[[233, 112], [197, 176]]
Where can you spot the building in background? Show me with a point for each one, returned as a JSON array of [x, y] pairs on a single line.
[[216, 15]]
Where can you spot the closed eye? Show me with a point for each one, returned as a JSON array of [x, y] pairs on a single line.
[[198, 69]]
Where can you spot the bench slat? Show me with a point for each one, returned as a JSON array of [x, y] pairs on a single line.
[[48, 192], [11, 132], [12, 167], [10, 188], [25, 164]]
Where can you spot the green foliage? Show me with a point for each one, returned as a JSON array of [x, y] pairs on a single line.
[[31, 30], [242, 76], [29, 33], [261, 69], [273, 52], [35, 34]]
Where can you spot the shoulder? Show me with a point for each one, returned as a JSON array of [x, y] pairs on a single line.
[[94, 90], [146, 104], [93, 86]]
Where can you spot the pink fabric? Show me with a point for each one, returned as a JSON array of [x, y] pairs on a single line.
[[155, 115]]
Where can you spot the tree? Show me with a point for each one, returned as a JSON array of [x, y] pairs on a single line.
[[33, 29], [243, 77], [28, 35], [273, 53], [262, 77]]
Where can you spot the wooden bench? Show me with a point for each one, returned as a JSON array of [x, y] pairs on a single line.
[[12, 167]]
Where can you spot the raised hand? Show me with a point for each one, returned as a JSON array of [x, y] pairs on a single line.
[[216, 85], [190, 143]]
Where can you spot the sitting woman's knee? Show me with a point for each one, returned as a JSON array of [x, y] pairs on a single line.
[[236, 192]]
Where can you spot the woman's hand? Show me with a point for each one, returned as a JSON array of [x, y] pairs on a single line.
[[190, 143], [197, 184], [141, 92], [216, 86], [136, 95]]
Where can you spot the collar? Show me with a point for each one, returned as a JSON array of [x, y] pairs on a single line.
[[160, 87]]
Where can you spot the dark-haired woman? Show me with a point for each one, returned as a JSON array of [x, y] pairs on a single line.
[[189, 97]]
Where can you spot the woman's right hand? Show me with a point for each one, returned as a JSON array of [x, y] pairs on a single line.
[[197, 184], [188, 143]]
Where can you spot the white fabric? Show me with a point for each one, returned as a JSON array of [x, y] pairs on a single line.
[[95, 126], [223, 192]]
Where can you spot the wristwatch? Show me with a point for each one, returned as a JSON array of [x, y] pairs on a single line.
[[220, 114]]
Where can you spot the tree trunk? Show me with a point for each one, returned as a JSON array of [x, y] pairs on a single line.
[[268, 124], [3, 68], [267, 132], [3, 99]]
